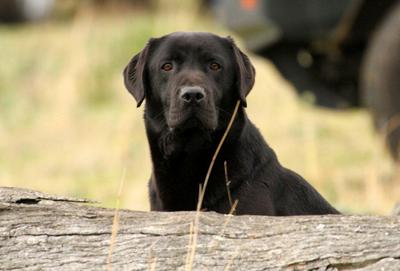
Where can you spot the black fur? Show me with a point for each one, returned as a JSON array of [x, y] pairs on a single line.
[[184, 131]]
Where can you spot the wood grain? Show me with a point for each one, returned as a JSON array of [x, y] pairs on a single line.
[[46, 232]]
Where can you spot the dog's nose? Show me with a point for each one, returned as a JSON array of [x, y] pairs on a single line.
[[192, 94]]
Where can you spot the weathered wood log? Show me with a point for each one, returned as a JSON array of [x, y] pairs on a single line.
[[44, 232]]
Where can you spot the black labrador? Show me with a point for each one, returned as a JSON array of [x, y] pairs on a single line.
[[191, 82]]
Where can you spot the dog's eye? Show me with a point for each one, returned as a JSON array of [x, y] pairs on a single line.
[[167, 67], [215, 66]]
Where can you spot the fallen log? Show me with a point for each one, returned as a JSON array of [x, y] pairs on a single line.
[[44, 232]]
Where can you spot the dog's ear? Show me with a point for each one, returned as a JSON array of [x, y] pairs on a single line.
[[246, 72], [134, 77]]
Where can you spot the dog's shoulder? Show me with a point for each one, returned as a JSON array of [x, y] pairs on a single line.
[[295, 196], [291, 194]]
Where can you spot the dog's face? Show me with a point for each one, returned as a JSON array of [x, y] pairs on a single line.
[[191, 79]]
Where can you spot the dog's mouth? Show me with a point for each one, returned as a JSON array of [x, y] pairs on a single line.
[[192, 118]]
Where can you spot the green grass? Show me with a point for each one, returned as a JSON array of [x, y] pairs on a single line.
[[68, 126]]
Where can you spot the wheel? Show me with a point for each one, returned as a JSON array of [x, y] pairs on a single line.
[[380, 79]]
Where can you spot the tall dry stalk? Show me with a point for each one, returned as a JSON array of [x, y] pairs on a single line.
[[227, 183], [194, 233], [203, 190], [115, 225]]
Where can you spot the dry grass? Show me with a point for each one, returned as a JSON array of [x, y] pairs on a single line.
[[194, 227], [115, 224], [68, 126]]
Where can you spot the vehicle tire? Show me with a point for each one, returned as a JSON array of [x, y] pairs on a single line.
[[380, 79]]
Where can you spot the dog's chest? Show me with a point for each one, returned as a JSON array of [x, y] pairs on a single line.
[[179, 181]]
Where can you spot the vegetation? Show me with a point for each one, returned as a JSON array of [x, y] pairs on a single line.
[[67, 125]]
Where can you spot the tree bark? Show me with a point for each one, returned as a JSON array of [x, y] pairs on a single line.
[[45, 232]]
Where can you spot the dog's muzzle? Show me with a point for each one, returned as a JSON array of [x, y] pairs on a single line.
[[192, 108]]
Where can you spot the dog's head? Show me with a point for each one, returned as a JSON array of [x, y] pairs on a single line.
[[190, 79]]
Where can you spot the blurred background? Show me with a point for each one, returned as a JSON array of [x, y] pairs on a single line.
[[69, 127]]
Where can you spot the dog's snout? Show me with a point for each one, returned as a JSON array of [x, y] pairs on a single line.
[[192, 94]]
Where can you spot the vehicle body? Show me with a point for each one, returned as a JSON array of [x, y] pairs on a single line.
[[25, 10], [329, 48]]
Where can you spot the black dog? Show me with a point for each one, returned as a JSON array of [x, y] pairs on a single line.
[[192, 82]]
